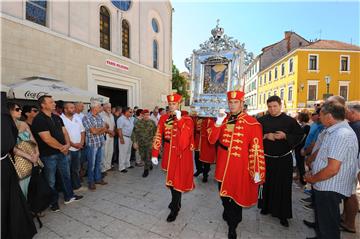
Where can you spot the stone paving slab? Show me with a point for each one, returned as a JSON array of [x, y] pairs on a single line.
[[133, 207]]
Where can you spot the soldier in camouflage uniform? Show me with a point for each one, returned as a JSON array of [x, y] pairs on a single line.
[[142, 135]]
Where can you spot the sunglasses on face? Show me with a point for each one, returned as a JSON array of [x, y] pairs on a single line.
[[35, 110], [317, 104], [17, 109]]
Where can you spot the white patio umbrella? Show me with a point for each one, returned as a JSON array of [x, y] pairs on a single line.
[[5, 88], [34, 87]]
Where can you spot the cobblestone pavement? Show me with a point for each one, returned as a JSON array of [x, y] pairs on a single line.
[[133, 207]]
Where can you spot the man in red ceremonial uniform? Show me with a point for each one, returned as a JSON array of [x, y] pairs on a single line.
[[240, 165], [207, 150], [205, 153], [178, 134], [197, 130]]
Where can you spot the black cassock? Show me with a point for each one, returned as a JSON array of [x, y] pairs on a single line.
[[16, 220], [276, 193]]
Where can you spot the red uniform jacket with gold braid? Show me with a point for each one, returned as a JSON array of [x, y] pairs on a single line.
[[239, 156], [177, 158], [207, 150]]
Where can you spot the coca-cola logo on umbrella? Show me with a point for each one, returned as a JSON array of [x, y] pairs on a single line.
[[101, 100], [34, 95]]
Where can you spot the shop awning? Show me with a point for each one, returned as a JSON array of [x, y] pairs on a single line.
[[5, 88], [34, 87]]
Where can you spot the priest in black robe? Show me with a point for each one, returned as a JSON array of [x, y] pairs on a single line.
[[282, 134]]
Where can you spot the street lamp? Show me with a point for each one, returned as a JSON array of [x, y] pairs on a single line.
[[327, 81]]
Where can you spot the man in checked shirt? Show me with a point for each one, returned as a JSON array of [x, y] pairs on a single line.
[[333, 170]]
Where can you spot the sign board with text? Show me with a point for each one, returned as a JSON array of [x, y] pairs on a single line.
[[117, 65]]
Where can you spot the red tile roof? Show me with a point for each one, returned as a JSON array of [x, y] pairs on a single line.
[[291, 34], [331, 44]]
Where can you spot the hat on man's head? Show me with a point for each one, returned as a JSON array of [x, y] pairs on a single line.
[[235, 95], [174, 97], [145, 111]]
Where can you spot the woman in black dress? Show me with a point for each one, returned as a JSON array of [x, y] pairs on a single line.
[[16, 220]]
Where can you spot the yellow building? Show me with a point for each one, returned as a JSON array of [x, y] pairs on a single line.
[[309, 73]]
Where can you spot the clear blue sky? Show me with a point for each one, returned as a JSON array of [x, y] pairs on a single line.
[[260, 24]]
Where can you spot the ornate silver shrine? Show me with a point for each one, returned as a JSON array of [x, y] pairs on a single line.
[[215, 68]]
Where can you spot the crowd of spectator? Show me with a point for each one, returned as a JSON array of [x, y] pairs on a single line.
[[73, 145]]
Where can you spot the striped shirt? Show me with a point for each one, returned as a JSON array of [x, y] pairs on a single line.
[[319, 141], [90, 121], [339, 142]]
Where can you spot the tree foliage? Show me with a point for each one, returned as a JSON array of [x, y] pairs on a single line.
[[179, 83]]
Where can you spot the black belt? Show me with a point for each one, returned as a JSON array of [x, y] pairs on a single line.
[[127, 136], [278, 156], [167, 141]]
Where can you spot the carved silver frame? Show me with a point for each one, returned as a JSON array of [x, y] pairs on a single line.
[[218, 45]]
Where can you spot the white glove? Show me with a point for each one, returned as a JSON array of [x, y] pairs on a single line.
[[178, 114], [257, 177], [154, 160], [221, 116]]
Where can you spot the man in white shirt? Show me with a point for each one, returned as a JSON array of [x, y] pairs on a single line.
[[79, 110], [155, 116], [125, 125], [108, 118], [76, 133]]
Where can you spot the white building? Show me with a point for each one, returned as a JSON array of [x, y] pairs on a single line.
[[251, 81], [121, 49]]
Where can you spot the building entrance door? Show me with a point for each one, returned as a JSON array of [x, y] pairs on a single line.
[[118, 97]]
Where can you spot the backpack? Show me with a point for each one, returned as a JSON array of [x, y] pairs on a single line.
[[39, 192]]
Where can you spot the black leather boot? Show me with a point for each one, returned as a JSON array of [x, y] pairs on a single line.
[[172, 216], [232, 233], [146, 173]]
